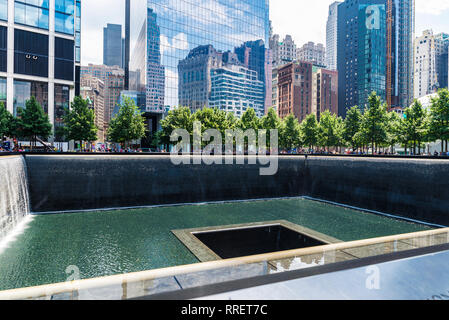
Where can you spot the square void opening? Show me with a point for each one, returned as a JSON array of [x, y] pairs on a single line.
[[241, 242]]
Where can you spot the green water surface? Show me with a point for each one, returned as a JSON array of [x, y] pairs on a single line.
[[115, 242]]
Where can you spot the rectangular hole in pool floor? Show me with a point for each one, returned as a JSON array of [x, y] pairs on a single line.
[[241, 242]]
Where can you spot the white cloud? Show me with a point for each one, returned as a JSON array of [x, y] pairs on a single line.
[[433, 7], [304, 20], [179, 42]]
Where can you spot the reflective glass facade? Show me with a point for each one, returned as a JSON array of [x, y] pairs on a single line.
[[372, 50], [3, 95], [24, 90], [64, 16], [375, 51], [112, 45], [62, 100], [177, 47], [362, 48], [3, 48], [3, 9], [32, 13], [30, 53], [78, 32]]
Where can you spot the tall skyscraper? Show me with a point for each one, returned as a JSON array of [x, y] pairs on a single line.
[[113, 45], [40, 54], [331, 36], [164, 34], [403, 37], [127, 41], [375, 52], [431, 63]]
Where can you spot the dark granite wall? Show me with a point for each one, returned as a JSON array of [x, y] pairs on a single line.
[[417, 189], [60, 183]]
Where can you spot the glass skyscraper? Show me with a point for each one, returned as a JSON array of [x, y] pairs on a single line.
[[375, 52], [182, 52], [113, 45]]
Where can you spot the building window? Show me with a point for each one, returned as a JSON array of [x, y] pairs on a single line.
[[32, 13], [64, 59], [3, 9], [64, 16], [3, 48], [78, 32], [24, 90], [3, 91], [62, 100], [30, 53]]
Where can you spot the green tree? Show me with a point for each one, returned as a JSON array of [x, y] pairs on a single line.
[[394, 134], [128, 124], [249, 120], [179, 118], [33, 122], [290, 133], [329, 130], [375, 123], [214, 119], [439, 119], [79, 122], [352, 127], [413, 127], [309, 131], [5, 122], [271, 121]]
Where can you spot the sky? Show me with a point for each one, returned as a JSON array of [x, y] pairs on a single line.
[[304, 20]]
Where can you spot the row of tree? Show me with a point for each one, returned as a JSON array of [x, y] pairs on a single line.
[[373, 128], [34, 124]]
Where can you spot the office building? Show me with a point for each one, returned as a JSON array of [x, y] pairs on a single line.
[[313, 53], [164, 36], [304, 88], [295, 90], [431, 63], [331, 37], [375, 52], [235, 88], [227, 81], [324, 91], [284, 51], [92, 90], [40, 54], [113, 45], [113, 79]]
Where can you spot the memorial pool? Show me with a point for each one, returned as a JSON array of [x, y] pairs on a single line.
[[53, 248]]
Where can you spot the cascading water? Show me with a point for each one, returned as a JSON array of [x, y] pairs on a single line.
[[14, 199]]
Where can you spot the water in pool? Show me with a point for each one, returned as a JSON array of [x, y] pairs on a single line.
[[115, 242]]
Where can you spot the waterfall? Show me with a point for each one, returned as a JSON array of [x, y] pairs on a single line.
[[14, 200]]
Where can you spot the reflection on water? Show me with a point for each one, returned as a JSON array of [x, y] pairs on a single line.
[[297, 263]]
